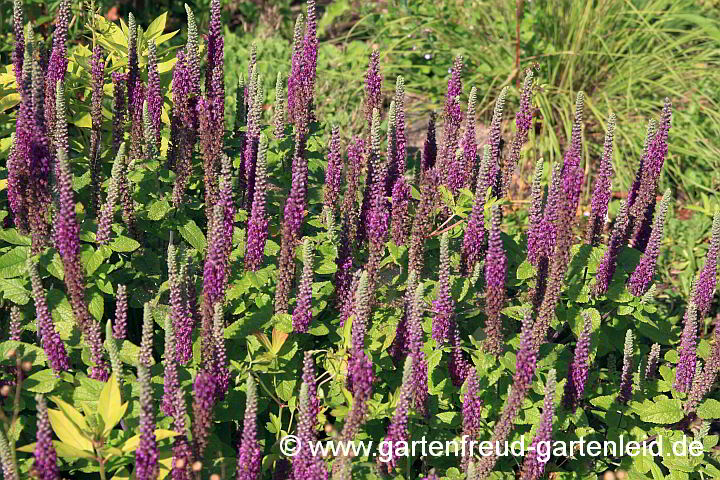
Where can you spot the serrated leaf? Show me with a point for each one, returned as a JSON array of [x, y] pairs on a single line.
[[43, 381], [96, 306], [525, 270], [193, 235], [663, 411], [124, 244], [158, 209], [13, 263], [14, 290], [710, 408], [11, 235]]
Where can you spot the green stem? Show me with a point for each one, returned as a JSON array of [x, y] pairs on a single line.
[[102, 470]]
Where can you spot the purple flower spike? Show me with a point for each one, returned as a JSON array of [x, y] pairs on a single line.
[[16, 324], [145, 356], [626, 384], [423, 221], [472, 407], [687, 352], [45, 466], [397, 432], [495, 299], [182, 452], [534, 465], [121, 311], [117, 182], [257, 231], [133, 77], [495, 142], [443, 305], [401, 343], [97, 73], [378, 216], [333, 175], [18, 54], [214, 46], [607, 266], [458, 366], [416, 343], [67, 243], [305, 465], [349, 209], [640, 280], [373, 87], [120, 106], [154, 93], [643, 204], [249, 457], [525, 363], [203, 403], [469, 141], [603, 186], [523, 120], [400, 217], [450, 171], [58, 63], [296, 63], [653, 362], [707, 278], [400, 137], [146, 455], [278, 108], [535, 232], [578, 374], [171, 384], [302, 315], [50, 339], [429, 154], [474, 238], [219, 355]]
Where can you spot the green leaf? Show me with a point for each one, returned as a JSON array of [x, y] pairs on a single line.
[[193, 235], [158, 209], [156, 27], [11, 235], [662, 410], [525, 270], [43, 381], [124, 244], [14, 290], [13, 263], [110, 405], [96, 306], [710, 408]]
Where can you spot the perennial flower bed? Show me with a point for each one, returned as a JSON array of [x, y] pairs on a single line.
[[182, 292]]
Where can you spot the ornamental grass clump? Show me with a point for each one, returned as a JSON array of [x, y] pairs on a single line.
[[287, 274]]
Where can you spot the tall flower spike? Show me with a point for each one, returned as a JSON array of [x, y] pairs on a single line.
[[121, 311], [399, 216], [51, 342], [526, 361], [305, 464], [182, 453], [220, 358], [171, 383], [258, 223], [400, 137], [67, 243], [378, 217], [108, 209], [495, 272], [429, 154], [120, 106], [452, 115], [626, 385], [184, 329], [146, 455], [249, 458], [423, 221], [469, 141], [302, 315], [643, 206], [495, 141], [58, 63], [653, 362], [458, 366], [214, 277], [45, 466], [635, 187], [640, 280], [443, 305], [374, 184], [416, 343], [534, 238], [145, 356], [401, 343], [256, 97], [154, 93], [373, 87], [18, 54], [279, 108], [97, 74], [293, 98], [241, 108], [472, 406], [578, 374], [203, 403], [534, 465], [333, 174], [152, 149], [606, 269], [15, 328], [603, 186], [111, 344], [707, 278], [133, 67], [356, 153], [474, 238], [523, 120], [687, 356], [309, 67], [191, 50], [397, 432]]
